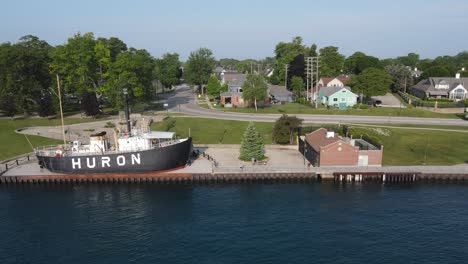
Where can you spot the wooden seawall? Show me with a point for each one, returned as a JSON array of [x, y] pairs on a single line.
[[160, 178]]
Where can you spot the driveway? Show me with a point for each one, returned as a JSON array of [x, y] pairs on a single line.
[[388, 100]]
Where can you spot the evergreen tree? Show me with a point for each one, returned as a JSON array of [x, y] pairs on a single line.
[[252, 144], [46, 105], [89, 104]]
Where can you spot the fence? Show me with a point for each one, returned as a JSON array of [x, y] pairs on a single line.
[[14, 162], [259, 168]]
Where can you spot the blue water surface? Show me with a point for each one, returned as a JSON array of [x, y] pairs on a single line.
[[234, 223]]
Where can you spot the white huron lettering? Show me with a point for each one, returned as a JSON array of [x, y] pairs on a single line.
[[76, 163], [136, 159], [121, 160], [105, 161], [91, 166]]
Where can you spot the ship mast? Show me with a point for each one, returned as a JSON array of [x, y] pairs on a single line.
[[127, 111], [61, 111]]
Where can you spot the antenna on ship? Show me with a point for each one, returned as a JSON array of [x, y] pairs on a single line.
[[61, 111], [127, 111]]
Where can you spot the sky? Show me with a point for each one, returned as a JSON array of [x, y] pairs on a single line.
[[248, 28]]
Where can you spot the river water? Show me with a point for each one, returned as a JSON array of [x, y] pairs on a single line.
[[234, 223]]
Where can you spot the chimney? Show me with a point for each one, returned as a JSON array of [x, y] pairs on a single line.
[[330, 134], [457, 76]]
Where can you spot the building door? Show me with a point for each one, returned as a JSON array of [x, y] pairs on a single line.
[[342, 106], [363, 160]]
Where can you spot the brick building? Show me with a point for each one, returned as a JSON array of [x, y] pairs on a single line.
[[324, 148]]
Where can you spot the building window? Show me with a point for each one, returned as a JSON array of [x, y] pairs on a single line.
[[459, 94], [335, 99], [343, 99]]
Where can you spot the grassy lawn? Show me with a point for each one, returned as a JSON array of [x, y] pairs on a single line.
[[13, 144], [212, 131], [295, 108], [418, 147], [401, 146]]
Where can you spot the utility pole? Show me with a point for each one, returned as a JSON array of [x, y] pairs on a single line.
[[309, 77], [312, 72], [286, 68]]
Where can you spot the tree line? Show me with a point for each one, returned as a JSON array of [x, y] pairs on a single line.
[[94, 70]]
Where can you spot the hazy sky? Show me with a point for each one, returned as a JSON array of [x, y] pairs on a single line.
[[248, 28]]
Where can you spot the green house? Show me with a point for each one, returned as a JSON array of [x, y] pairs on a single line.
[[340, 97]]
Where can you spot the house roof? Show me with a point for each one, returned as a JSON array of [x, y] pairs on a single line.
[[278, 91], [428, 85], [234, 78], [327, 91], [342, 78], [318, 139], [326, 80]]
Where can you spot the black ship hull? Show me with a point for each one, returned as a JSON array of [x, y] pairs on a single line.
[[157, 159]]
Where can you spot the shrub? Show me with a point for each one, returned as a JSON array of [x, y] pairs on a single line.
[[109, 125], [363, 106]]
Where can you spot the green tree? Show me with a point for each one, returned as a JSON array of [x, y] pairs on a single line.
[[8, 105], [437, 71], [24, 71], [285, 52], [252, 144], [331, 61], [213, 87], [199, 67], [167, 69], [401, 76], [115, 46], [359, 61], [412, 59], [296, 68], [89, 104], [297, 85], [81, 64], [372, 82], [46, 105], [254, 88], [134, 70], [283, 130]]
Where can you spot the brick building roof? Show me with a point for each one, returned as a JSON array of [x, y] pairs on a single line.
[[318, 139]]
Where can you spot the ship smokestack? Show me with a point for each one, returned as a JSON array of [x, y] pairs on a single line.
[[127, 111]]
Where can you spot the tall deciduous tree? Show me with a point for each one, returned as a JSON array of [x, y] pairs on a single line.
[[199, 67], [401, 77], [372, 82], [297, 86], [252, 144], [24, 70], [46, 105], [134, 70], [331, 62], [167, 69], [254, 88], [283, 130], [412, 59], [359, 61], [8, 105], [90, 105], [285, 53], [213, 87]]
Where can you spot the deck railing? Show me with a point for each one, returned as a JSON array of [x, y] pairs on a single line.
[[14, 162]]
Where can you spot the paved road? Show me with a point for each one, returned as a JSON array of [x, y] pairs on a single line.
[[183, 100]]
